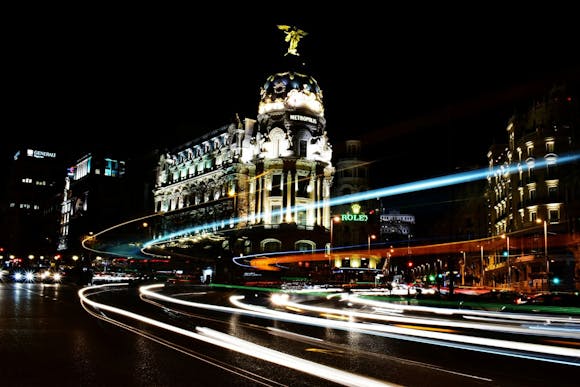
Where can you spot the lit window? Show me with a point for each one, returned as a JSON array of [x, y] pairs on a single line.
[[276, 214], [530, 149], [553, 193]]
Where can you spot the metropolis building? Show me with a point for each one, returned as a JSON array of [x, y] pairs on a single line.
[[253, 186]]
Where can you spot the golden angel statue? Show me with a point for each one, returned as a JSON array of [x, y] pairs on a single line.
[[293, 35]]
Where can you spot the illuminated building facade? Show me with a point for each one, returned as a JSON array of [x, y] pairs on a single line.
[[355, 223], [396, 226], [93, 199], [255, 185], [527, 186], [29, 213]]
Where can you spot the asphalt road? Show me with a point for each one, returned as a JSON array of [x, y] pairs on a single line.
[[48, 338]]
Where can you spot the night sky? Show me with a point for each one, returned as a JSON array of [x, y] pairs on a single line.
[[402, 80]]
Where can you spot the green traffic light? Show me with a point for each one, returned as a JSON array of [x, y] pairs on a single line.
[[556, 280]]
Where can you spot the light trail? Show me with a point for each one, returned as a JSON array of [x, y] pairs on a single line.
[[241, 346], [437, 182], [281, 299], [495, 346], [450, 311], [258, 379]]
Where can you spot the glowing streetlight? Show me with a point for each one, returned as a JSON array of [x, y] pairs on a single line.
[[463, 269], [370, 236], [482, 268], [545, 244], [334, 219], [507, 238]]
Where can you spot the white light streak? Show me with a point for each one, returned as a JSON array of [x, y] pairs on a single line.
[[242, 346]]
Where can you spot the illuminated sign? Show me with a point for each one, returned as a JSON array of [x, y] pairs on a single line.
[[354, 217], [38, 154], [298, 117]]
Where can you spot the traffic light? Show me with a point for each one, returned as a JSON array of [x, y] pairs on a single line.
[[410, 264], [505, 253], [556, 281]]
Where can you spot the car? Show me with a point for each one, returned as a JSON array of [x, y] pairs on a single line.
[[565, 299], [503, 297], [23, 275], [493, 300], [50, 276]]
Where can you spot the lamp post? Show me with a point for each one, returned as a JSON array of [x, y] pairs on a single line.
[[332, 221], [546, 251], [545, 244], [482, 268], [508, 259], [463, 269], [370, 236]]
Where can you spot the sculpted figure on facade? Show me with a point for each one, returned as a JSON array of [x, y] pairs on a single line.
[[289, 138], [293, 36]]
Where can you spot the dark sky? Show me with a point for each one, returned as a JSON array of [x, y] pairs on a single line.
[[403, 80]]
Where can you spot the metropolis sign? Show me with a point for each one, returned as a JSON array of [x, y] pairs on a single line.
[[299, 117]]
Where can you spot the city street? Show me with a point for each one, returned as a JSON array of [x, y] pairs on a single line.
[[209, 337]]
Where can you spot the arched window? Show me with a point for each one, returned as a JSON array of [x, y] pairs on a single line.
[[270, 245], [304, 245]]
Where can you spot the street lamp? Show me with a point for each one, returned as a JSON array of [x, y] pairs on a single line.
[[545, 244], [332, 221], [508, 259], [463, 269], [370, 236], [482, 268]]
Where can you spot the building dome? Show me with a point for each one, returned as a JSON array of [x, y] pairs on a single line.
[[291, 91]]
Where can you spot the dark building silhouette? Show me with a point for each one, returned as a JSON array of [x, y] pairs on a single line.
[[30, 209]]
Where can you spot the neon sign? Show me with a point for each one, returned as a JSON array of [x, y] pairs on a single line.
[[356, 216], [38, 154]]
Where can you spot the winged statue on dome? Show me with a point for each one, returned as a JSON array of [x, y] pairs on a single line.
[[293, 36]]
